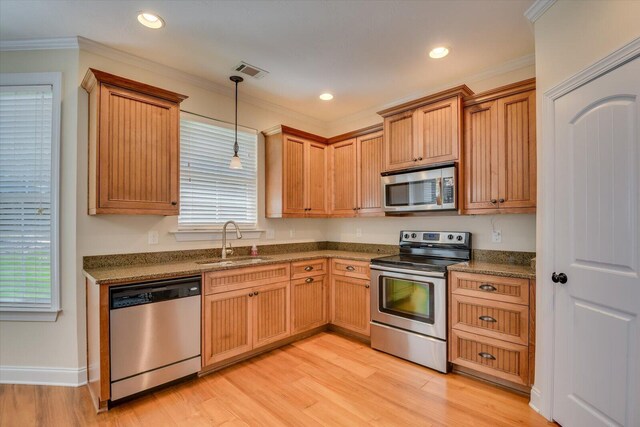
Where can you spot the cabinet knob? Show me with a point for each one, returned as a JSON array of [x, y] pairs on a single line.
[[308, 268], [501, 200], [309, 279], [251, 294], [255, 293], [494, 201], [419, 158], [174, 203], [350, 268], [355, 209], [367, 286], [415, 159]]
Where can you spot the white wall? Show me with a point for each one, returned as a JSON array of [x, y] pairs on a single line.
[[569, 37], [62, 344], [49, 344]]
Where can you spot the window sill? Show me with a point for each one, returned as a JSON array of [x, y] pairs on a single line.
[[214, 235], [25, 315]]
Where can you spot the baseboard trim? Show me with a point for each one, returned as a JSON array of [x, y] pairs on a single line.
[[68, 377]]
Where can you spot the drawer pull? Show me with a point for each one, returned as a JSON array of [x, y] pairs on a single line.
[[487, 319], [308, 268], [485, 355], [309, 279], [350, 268], [487, 287]]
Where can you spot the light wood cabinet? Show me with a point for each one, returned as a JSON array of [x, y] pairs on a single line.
[[492, 327], [499, 174], [350, 304], [308, 303], [133, 146], [354, 176], [425, 131], [236, 322], [296, 174]]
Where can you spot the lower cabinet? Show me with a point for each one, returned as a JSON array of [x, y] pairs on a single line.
[[236, 322], [308, 303], [350, 303]]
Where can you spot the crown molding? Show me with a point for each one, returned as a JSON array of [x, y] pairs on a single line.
[[536, 10], [173, 73], [39, 44]]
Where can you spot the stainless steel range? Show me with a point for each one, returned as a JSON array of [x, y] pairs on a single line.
[[409, 296]]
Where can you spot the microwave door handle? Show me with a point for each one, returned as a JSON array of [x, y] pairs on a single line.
[[439, 191]]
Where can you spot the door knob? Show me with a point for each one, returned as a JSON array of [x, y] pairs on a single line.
[[559, 278]]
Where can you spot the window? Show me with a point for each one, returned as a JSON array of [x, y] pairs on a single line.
[[210, 192], [29, 171]]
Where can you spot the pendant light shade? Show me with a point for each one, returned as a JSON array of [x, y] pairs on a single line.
[[235, 160]]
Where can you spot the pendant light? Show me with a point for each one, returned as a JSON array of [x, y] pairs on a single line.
[[235, 160]]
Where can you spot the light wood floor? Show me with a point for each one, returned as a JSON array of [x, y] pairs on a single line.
[[325, 380]]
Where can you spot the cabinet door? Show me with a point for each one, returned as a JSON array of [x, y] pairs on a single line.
[[293, 176], [343, 173], [399, 141], [316, 178], [517, 150], [270, 311], [350, 304], [437, 132], [137, 154], [481, 156], [369, 167], [228, 330], [308, 303]]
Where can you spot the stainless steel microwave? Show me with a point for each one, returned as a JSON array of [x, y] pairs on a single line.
[[420, 190]]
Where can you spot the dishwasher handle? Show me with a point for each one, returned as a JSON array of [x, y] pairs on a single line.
[[153, 292]]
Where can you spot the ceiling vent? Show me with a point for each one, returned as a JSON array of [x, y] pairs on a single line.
[[250, 70]]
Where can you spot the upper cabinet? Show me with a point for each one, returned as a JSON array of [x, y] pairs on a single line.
[[296, 174], [499, 174], [354, 174], [133, 146], [425, 131]]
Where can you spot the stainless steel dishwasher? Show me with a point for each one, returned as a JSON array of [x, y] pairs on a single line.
[[154, 334]]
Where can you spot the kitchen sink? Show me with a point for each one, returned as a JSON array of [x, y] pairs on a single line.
[[219, 262]]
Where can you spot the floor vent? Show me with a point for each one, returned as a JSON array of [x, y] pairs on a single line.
[[250, 70]]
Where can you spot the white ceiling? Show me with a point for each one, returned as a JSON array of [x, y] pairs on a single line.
[[367, 53]]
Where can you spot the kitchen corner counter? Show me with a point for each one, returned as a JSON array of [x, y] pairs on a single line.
[[497, 269], [120, 274]]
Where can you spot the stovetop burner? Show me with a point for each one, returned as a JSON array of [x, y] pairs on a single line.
[[429, 251]]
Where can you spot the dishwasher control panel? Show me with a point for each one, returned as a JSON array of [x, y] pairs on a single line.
[[153, 292]]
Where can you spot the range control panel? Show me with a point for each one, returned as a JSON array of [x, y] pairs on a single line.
[[440, 237]]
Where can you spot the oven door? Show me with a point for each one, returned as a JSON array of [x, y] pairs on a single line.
[[409, 299]]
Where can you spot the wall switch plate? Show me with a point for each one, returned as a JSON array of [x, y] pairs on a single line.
[[496, 236], [292, 232], [271, 233], [358, 232], [153, 237]]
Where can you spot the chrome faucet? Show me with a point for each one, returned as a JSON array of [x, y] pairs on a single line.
[[229, 251]]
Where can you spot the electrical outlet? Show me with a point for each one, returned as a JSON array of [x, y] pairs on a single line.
[[358, 232], [153, 237], [292, 232], [496, 236], [271, 233]]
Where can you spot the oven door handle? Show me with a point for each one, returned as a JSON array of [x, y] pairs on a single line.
[[407, 272]]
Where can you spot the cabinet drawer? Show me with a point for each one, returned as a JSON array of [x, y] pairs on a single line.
[[240, 278], [308, 268], [494, 319], [500, 359], [345, 267], [497, 288]]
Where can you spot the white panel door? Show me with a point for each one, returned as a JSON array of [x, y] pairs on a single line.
[[597, 223]]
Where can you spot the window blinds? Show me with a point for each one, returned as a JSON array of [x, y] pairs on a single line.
[[26, 196], [210, 192]]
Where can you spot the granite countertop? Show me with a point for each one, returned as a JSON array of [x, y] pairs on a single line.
[[523, 271], [113, 275]]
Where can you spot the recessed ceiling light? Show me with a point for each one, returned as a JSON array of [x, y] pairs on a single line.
[[326, 97], [150, 20], [439, 52]]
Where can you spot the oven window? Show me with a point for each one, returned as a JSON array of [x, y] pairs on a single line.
[[407, 298], [411, 193]]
